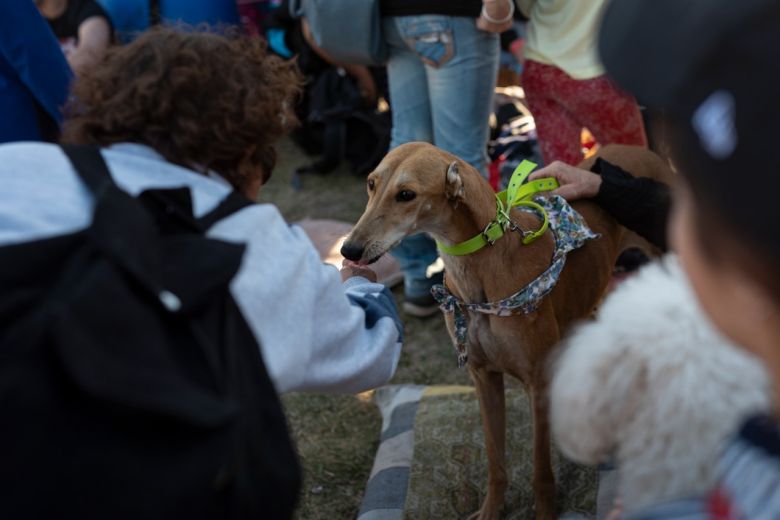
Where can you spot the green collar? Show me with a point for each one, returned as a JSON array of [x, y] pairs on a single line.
[[517, 194]]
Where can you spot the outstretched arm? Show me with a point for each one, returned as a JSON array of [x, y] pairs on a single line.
[[361, 73], [319, 330]]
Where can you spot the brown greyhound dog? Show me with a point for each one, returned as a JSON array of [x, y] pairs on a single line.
[[419, 188]]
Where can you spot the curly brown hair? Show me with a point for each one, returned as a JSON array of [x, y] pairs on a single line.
[[203, 100]]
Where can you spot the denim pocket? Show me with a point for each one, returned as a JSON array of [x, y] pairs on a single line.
[[430, 37]]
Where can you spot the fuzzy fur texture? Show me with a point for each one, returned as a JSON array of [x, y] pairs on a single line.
[[652, 383]]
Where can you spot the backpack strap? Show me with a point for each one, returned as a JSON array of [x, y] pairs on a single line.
[[93, 170], [233, 203], [90, 166], [121, 228]]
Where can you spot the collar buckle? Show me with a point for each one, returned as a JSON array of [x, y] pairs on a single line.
[[486, 236], [523, 232]]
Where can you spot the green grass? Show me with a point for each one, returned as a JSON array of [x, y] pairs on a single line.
[[337, 436]]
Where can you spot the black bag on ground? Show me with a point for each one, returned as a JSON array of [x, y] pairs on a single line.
[[130, 384], [342, 127]]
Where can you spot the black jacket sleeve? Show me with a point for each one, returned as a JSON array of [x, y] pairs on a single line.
[[638, 203]]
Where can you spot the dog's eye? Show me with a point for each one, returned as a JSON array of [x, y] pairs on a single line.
[[405, 196], [370, 184]]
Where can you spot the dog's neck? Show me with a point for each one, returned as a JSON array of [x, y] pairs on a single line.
[[497, 270], [471, 214]]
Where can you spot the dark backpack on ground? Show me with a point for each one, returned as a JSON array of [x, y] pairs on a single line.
[[131, 387], [339, 126]]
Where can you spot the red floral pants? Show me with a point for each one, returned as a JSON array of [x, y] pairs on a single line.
[[562, 106]]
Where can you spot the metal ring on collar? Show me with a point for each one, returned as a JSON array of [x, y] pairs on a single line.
[[539, 210]]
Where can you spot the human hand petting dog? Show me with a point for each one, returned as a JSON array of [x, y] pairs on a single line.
[[350, 269], [575, 183]]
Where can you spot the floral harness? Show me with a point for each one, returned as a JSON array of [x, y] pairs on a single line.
[[570, 232]]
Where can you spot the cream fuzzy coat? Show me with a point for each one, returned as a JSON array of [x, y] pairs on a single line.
[[651, 383]]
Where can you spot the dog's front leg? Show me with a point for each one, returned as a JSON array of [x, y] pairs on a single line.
[[490, 391], [544, 479]]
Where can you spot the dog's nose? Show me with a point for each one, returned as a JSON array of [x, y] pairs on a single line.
[[352, 251]]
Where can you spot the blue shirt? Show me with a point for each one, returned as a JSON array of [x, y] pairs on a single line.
[[132, 16], [34, 76]]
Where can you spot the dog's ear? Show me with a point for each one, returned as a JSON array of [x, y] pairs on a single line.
[[453, 184]]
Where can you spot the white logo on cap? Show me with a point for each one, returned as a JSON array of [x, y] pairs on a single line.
[[714, 122]]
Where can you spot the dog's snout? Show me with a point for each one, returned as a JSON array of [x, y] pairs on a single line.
[[352, 251]]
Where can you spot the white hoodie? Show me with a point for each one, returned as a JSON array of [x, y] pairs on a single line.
[[316, 333]]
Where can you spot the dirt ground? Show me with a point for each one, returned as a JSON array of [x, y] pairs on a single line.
[[337, 436]]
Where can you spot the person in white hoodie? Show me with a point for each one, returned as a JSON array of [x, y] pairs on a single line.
[[202, 111]]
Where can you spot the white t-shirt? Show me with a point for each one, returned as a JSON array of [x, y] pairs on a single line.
[[563, 33]]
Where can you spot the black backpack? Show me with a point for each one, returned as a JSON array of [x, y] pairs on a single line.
[[130, 384], [337, 125]]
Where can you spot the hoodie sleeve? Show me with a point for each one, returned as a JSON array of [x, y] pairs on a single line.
[[315, 332]]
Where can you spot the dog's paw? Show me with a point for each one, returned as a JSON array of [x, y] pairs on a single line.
[[488, 511]]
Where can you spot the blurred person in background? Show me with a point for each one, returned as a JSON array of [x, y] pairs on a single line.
[[194, 12], [82, 27], [131, 17], [128, 17], [565, 84], [254, 13], [34, 76], [442, 69]]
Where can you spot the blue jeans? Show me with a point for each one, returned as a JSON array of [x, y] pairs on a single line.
[[441, 73]]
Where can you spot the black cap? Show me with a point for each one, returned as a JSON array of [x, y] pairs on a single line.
[[713, 66]]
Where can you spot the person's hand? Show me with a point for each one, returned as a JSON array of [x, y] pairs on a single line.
[[366, 84], [496, 10], [575, 183], [350, 269], [368, 91], [516, 48]]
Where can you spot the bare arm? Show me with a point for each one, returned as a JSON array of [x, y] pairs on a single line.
[[94, 37], [360, 72]]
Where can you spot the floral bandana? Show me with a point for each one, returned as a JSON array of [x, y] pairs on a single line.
[[570, 231]]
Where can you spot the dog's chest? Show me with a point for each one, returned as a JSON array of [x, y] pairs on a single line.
[[495, 345], [494, 342]]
